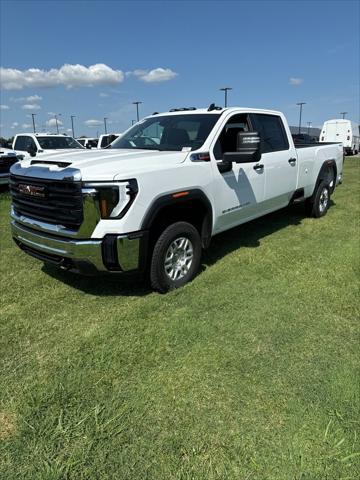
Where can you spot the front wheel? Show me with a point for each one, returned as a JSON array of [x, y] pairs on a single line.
[[176, 257], [318, 206]]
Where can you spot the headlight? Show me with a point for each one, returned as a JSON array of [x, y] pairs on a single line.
[[114, 198]]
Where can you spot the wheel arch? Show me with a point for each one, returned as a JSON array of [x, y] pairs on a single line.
[[328, 168], [191, 205]]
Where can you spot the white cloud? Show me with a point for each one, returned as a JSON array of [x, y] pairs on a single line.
[[52, 122], [14, 125], [93, 123], [103, 95], [4, 107], [295, 81], [30, 106], [154, 76], [69, 130], [25, 126], [67, 75], [30, 99]]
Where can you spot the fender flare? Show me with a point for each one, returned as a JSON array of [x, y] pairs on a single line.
[[323, 173], [179, 198]]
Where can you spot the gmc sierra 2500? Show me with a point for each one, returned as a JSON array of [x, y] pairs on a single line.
[[153, 200]]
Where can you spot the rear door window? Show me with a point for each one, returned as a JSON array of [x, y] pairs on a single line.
[[272, 133]]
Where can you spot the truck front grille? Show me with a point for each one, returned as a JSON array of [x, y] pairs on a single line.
[[53, 201]]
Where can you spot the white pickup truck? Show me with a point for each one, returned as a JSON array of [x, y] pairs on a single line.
[[33, 144], [153, 201]]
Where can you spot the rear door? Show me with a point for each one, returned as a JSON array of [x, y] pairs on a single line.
[[279, 159]]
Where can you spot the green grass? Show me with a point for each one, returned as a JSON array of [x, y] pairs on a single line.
[[251, 372]]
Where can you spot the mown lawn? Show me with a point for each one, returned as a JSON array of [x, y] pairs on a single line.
[[250, 373]]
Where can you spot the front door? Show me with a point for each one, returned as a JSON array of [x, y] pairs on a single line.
[[238, 192]]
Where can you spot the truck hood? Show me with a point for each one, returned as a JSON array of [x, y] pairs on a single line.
[[107, 164]]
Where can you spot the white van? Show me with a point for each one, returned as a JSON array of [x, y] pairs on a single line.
[[344, 131]]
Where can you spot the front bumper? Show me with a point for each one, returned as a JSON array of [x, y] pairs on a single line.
[[113, 253]]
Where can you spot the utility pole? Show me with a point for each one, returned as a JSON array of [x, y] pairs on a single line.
[[343, 114], [300, 104], [33, 121], [56, 120], [105, 118], [137, 109], [72, 124], [133, 121], [309, 125], [225, 90]]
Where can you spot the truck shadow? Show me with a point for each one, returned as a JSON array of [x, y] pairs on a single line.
[[101, 285], [247, 235]]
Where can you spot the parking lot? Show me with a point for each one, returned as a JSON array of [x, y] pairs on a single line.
[[248, 372]]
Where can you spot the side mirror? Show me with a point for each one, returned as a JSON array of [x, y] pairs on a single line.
[[32, 151], [247, 148]]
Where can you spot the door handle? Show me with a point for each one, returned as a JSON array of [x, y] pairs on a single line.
[[292, 161], [259, 166]]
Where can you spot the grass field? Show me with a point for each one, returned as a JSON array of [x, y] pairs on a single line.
[[251, 372]]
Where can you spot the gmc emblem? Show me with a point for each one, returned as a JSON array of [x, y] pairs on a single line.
[[32, 190]]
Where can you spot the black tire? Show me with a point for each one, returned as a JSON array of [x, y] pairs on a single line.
[[318, 205], [165, 248]]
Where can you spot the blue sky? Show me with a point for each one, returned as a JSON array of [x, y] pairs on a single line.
[[175, 53]]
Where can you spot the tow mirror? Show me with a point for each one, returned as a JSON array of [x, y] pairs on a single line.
[[32, 151], [247, 148]]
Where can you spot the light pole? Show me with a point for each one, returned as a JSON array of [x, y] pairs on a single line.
[[56, 120], [343, 114], [225, 90], [309, 125], [72, 124], [300, 104], [137, 109], [105, 118], [33, 121]]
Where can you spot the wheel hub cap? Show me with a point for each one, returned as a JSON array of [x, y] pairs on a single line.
[[324, 199], [178, 258]]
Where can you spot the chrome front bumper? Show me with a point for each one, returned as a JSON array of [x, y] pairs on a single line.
[[114, 253]]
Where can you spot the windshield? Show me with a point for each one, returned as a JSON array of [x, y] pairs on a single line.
[[169, 132], [57, 143]]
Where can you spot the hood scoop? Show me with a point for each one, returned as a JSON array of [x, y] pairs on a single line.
[[44, 162]]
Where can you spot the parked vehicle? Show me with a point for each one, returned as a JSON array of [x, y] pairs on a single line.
[[32, 144], [7, 159], [154, 205], [106, 139], [303, 139], [342, 130], [88, 142]]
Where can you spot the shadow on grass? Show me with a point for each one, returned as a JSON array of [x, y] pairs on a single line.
[[249, 234], [246, 235], [101, 285]]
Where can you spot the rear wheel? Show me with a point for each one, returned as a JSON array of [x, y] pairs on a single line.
[[318, 206], [176, 257]]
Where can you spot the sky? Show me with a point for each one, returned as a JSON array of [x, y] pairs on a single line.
[[93, 59]]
